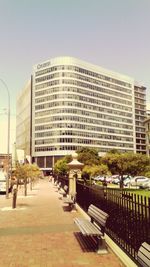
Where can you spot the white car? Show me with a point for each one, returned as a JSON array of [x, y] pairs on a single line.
[[99, 178], [137, 180], [126, 182], [145, 185], [3, 177], [115, 179]]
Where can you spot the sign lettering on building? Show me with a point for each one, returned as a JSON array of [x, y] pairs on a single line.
[[43, 65]]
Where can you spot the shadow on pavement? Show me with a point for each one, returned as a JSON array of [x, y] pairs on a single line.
[[87, 243]]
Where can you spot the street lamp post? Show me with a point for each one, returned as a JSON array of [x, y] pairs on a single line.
[[8, 139]]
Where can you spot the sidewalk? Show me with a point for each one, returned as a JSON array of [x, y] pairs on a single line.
[[41, 233]]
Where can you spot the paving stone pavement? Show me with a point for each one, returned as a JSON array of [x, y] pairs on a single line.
[[40, 232]]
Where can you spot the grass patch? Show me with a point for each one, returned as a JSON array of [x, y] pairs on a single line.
[[140, 192]]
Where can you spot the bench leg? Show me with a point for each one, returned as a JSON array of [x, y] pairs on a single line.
[[102, 248], [72, 207]]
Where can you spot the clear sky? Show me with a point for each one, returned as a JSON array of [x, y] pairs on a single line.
[[114, 34]]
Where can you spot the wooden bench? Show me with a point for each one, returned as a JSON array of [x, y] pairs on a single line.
[[95, 227], [143, 256], [55, 183], [70, 200], [63, 191], [57, 186]]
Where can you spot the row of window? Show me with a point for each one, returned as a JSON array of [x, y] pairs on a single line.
[[138, 112], [143, 108], [72, 124], [140, 90], [98, 143], [68, 95], [51, 83], [82, 91], [83, 141], [84, 71], [81, 84], [72, 117], [139, 123], [141, 97], [139, 129], [106, 135], [83, 127], [139, 148], [82, 105], [96, 114], [140, 118], [86, 79], [49, 77], [140, 135], [84, 98], [75, 148], [139, 141]]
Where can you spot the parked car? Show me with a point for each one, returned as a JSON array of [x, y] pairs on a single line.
[[108, 180], [3, 177], [99, 178], [145, 185], [115, 179], [137, 180], [127, 180]]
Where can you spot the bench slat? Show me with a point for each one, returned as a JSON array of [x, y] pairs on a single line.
[[143, 256], [97, 212], [146, 246], [143, 260], [95, 227], [98, 215], [86, 227], [68, 201]]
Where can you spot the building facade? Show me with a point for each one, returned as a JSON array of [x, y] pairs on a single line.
[[24, 120], [147, 128], [71, 104], [4, 161], [77, 104], [140, 116]]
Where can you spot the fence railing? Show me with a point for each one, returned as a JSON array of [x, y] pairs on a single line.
[[129, 215], [63, 179]]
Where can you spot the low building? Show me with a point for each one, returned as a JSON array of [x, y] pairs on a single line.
[[4, 161]]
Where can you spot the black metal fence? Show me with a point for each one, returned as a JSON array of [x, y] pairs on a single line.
[[129, 215], [62, 179]]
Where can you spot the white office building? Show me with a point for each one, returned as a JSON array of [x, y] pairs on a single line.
[[23, 123], [77, 104]]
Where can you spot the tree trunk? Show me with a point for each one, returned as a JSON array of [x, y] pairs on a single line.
[[14, 199], [121, 182], [31, 185], [25, 188]]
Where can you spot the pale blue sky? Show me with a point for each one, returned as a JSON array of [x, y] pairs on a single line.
[[114, 34]]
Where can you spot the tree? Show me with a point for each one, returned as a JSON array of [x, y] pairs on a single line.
[[94, 170], [25, 172], [33, 173], [60, 167], [147, 171], [88, 156], [125, 164]]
